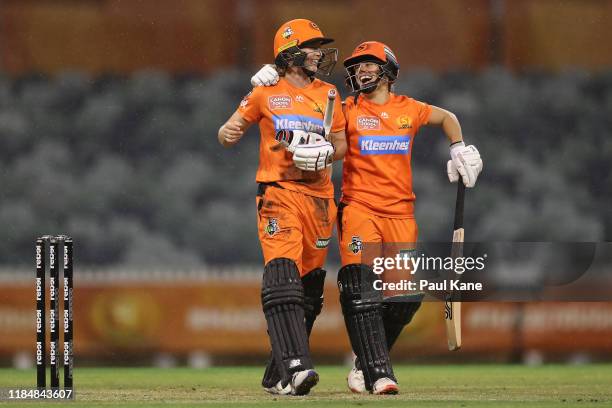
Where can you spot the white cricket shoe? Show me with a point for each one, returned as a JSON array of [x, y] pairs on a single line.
[[355, 380], [279, 390], [303, 381], [385, 386]]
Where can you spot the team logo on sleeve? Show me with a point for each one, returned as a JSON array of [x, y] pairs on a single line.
[[279, 102], [272, 227], [368, 123], [399, 144], [356, 245], [404, 122], [245, 101]]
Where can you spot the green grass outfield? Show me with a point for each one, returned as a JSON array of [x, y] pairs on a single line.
[[421, 386]]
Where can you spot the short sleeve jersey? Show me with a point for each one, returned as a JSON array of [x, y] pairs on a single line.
[[284, 106], [377, 176]]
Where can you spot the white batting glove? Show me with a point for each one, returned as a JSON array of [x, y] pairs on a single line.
[[466, 161], [451, 170], [266, 76], [314, 157], [315, 138], [290, 139]]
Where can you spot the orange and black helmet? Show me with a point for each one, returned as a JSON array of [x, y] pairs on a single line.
[[372, 51], [302, 33], [298, 33]]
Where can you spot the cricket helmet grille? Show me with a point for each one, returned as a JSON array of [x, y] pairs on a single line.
[[300, 33], [371, 51]]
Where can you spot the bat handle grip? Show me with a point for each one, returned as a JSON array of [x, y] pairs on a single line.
[[459, 204]]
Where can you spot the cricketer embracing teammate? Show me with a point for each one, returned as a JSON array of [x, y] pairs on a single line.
[[295, 201], [377, 203]]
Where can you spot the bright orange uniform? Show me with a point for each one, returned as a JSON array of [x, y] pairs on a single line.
[[377, 197], [296, 208]]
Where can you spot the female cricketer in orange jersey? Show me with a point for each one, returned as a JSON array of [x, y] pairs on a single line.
[[295, 202], [377, 203]]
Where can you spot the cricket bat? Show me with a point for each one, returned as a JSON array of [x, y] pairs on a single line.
[[328, 117], [452, 309]]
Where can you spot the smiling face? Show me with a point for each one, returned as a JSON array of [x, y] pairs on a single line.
[[366, 73], [309, 59], [313, 57]]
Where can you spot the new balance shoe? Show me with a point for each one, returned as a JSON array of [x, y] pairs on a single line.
[[303, 381]]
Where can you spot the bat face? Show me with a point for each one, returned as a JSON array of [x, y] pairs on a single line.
[[452, 317], [458, 235], [329, 111], [452, 310]]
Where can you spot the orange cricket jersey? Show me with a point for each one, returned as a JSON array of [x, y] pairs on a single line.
[[377, 175], [284, 106]]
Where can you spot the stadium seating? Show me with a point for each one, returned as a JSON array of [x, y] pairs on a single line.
[[132, 169]]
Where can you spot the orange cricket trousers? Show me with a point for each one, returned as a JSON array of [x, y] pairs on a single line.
[[294, 225], [356, 227]]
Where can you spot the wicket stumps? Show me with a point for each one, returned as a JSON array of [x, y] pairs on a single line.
[[60, 256]]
